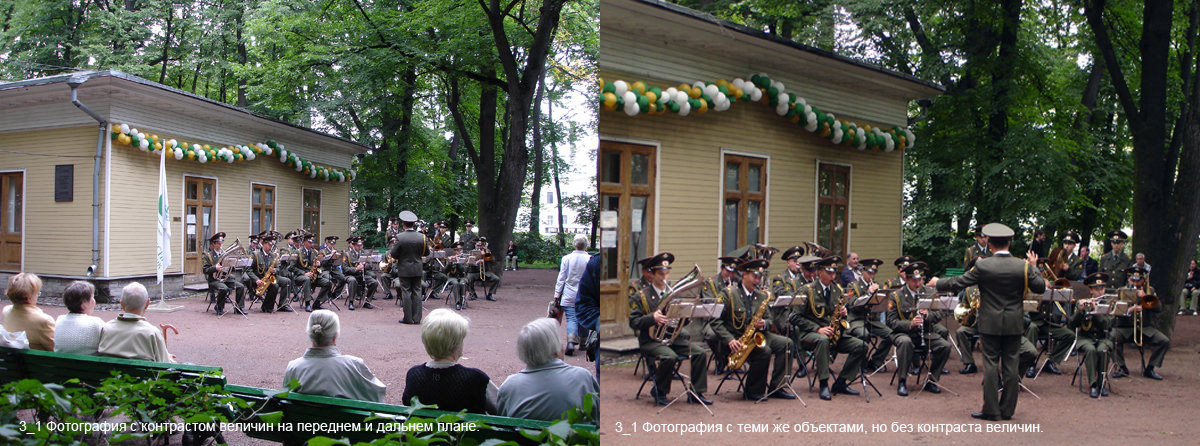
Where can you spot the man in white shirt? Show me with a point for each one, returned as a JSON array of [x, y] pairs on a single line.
[[569, 273], [129, 335]]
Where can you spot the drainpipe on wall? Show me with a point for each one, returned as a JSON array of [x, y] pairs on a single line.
[[74, 82]]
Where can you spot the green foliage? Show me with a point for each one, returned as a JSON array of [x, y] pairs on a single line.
[[532, 247]]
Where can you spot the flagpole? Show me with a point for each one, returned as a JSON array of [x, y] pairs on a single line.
[[164, 236]]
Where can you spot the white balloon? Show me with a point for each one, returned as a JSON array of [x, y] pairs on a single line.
[[910, 137], [889, 144], [685, 108], [250, 156], [681, 97], [711, 90], [782, 98], [629, 96], [671, 93], [278, 145], [832, 117], [811, 125], [837, 135], [781, 109], [125, 128], [631, 108], [801, 102], [144, 145], [133, 131], [756, 94], [808, 110], [620, 87], [178, 154]]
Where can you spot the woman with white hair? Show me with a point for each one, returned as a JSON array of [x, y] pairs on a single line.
[[547, 386], [443, 381], [569, 273], [24, 314], [323, 370]]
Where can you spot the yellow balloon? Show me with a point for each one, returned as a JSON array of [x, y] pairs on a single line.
[[651, 96], [610, 100], [694, 93], [191, 155], [703, 106], [124, 139], [685, 88], [638, 86], [795, 119]]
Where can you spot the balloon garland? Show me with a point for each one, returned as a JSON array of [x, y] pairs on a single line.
[[636, 98], [204, 153]]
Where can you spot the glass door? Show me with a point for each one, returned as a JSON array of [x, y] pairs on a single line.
[[11, 220], [626, 185], [199, 218]]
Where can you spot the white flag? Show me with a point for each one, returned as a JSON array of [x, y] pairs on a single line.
[[164, 219]]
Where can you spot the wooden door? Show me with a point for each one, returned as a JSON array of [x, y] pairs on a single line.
[[12, 220], [626, 184], [199, 218]]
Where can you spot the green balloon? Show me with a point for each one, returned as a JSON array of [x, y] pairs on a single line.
[[657, 92], [773, 93], [673, 106], [643, 103], [695, 103], [723, 89], [620, 104], [608, 88]]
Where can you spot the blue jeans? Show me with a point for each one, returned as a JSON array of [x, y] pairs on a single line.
[[572, 324]]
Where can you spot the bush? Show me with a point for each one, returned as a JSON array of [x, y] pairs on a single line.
[[532, 247]]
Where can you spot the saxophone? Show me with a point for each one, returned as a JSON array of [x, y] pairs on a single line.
[[751, 338], [838, 322], [268, 280]]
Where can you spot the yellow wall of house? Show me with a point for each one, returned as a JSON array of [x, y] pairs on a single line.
[[57, 235], [135, 191], [690, 166]]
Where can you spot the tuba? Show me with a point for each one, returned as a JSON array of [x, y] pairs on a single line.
[[817, 250], [666, 333], [235, 248]]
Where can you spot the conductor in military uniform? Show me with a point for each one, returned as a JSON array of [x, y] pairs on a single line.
[[1002, 281], [410, 247], [1093, 341], [812, 321], [645, 296]]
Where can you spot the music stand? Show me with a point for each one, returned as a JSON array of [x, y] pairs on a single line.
[[236, 265], [940, 302], [785, 302], [1055, 295], [685, 311], [879, 304], [862, 375]]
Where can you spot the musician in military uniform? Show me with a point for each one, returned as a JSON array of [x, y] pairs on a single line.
[[468, 238], [1093, 341], [435, 270], [912, 326], [1071, 266], [714, 292], [388, 273], [736, 328], [410, 247], [900, 263], [456, 275], [1051, 317], [265, 264], [333, 263], [815, 330], [481, 271], [249, 279], [285, 267], [1151, 338], [361, 273], [863, 323], [645, 298], [1003, 280], [211, 263], [979, 249], [307, 265], [1115, 260]]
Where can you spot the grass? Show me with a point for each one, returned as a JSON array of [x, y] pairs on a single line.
[[539, 265]]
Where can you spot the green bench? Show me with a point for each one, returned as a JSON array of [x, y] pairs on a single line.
[[351, 416], [954, 272], [51, 367]]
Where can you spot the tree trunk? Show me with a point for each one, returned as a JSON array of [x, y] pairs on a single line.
[[166, 57], [535, 199]]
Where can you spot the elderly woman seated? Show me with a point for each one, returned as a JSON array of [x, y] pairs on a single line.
[[547, 386], [323, 370], [24, 314], [443, 381], [78, 331]]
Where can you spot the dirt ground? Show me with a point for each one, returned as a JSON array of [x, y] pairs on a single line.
[[1140, 411], [254, 350]]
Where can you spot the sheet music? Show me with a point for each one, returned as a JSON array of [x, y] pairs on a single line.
[[1063, 295], [708, 311], [782, 301]]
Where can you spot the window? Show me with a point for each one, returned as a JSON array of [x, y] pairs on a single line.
[[626, 180], [833, 205], [312, 211], [743, 219], [262, 208], [12, 190], [200, 218]]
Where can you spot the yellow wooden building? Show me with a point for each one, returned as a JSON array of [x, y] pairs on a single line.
[[736, 166], [78, 189]]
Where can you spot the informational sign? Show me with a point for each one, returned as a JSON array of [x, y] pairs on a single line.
[[608, 219], [637, 220], [191, 229], [608, 238], [191, 219]]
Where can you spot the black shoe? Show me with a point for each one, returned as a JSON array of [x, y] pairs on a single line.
[[317, 306], [782, 394], [571, 350], [308, 307], [803, 372], [387, 296], [825, 394], [1103, 390], [1095, 392], [368, 306], [968, 369], [286, 310], [491, 298], [719, 369], [220, 312], [267, 310], [457, 307], [474, 297], [659, 398], [983, 416], [351, 306], [752, 397], [914, 371], [840, 386], [932, 387], [945, 372], [1150, 373], [1121, 372], [239, 311], [902, 389], [1031, 372], [1051, 369], [701, 399]]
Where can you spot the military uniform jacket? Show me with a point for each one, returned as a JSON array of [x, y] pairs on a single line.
[[1002, 279], [1091, 325], [284, 267], [468, 240], [1149, 317], [1114, 263], [304, 262], [329, 263], [209, 263], [975, 251], [903, 308], [859, 289], [410, 247], [643, 300], [713, 290], [1074, 267], [739, 310], [353, 259], [817, 310]]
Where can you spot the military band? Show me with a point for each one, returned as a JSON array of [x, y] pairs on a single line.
[[646, 312], [818, 332], [1093, 342], [221, 279]]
